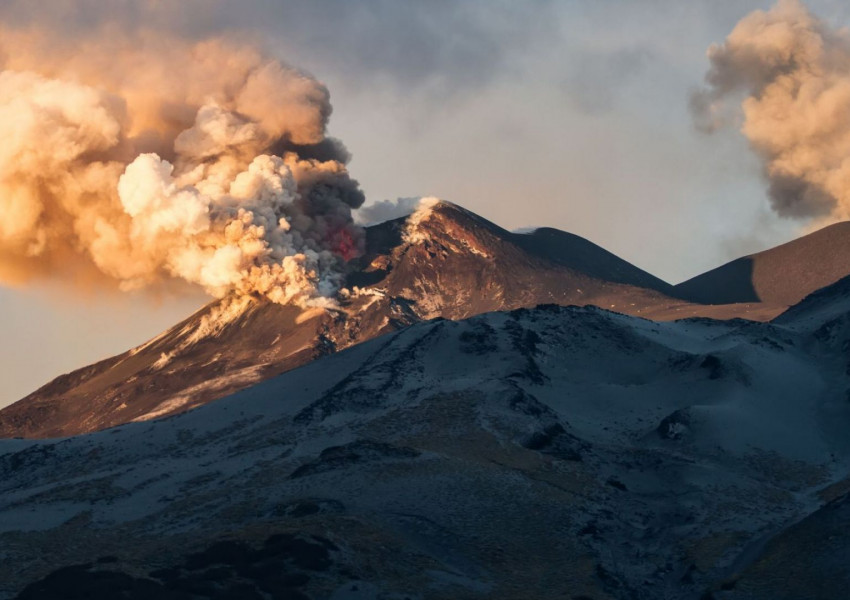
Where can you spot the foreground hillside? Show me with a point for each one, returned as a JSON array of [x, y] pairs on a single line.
[[443, 262], [539, 453]]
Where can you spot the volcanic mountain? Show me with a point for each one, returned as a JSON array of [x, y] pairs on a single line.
[[620, 457], [783, 275], [442, 262], [445, 262]]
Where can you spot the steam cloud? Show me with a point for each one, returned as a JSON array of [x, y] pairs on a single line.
[[793, 72], [387, 210], [144, 158]]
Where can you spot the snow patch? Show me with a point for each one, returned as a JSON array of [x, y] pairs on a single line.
[[308, 314], [163, 408], [219, 317], [242, 376], [163, 360]]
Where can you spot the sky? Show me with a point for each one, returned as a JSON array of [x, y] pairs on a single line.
[[568, 114]]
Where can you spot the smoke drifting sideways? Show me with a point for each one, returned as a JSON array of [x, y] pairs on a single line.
[[790, 74], [140, 159], [387, 210]]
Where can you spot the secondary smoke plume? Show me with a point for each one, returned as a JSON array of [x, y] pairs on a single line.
[[387, 210], [142, 158], [790, 72]]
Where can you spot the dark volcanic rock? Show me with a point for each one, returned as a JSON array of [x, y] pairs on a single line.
[[225, 570]]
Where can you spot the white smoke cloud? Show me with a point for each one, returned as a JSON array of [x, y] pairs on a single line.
[[424, 209], [386, 210], [142, 159], [789, 72]]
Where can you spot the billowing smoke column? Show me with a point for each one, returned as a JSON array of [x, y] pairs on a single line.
[[144, 159], [792, 72]]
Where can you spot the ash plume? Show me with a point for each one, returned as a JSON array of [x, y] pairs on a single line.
[[790, 74], [142, 158]]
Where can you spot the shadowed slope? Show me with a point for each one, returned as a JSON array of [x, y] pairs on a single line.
[[578, 253], [783, 275]]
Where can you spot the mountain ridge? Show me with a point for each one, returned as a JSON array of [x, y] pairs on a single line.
[[444, 262]]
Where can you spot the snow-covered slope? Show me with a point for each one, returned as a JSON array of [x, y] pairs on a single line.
[[541, 453]]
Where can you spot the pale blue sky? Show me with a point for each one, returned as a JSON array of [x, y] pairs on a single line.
[[565, 113]]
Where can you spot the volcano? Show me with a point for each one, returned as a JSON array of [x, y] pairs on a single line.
[[443, 262], [456, 386]]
